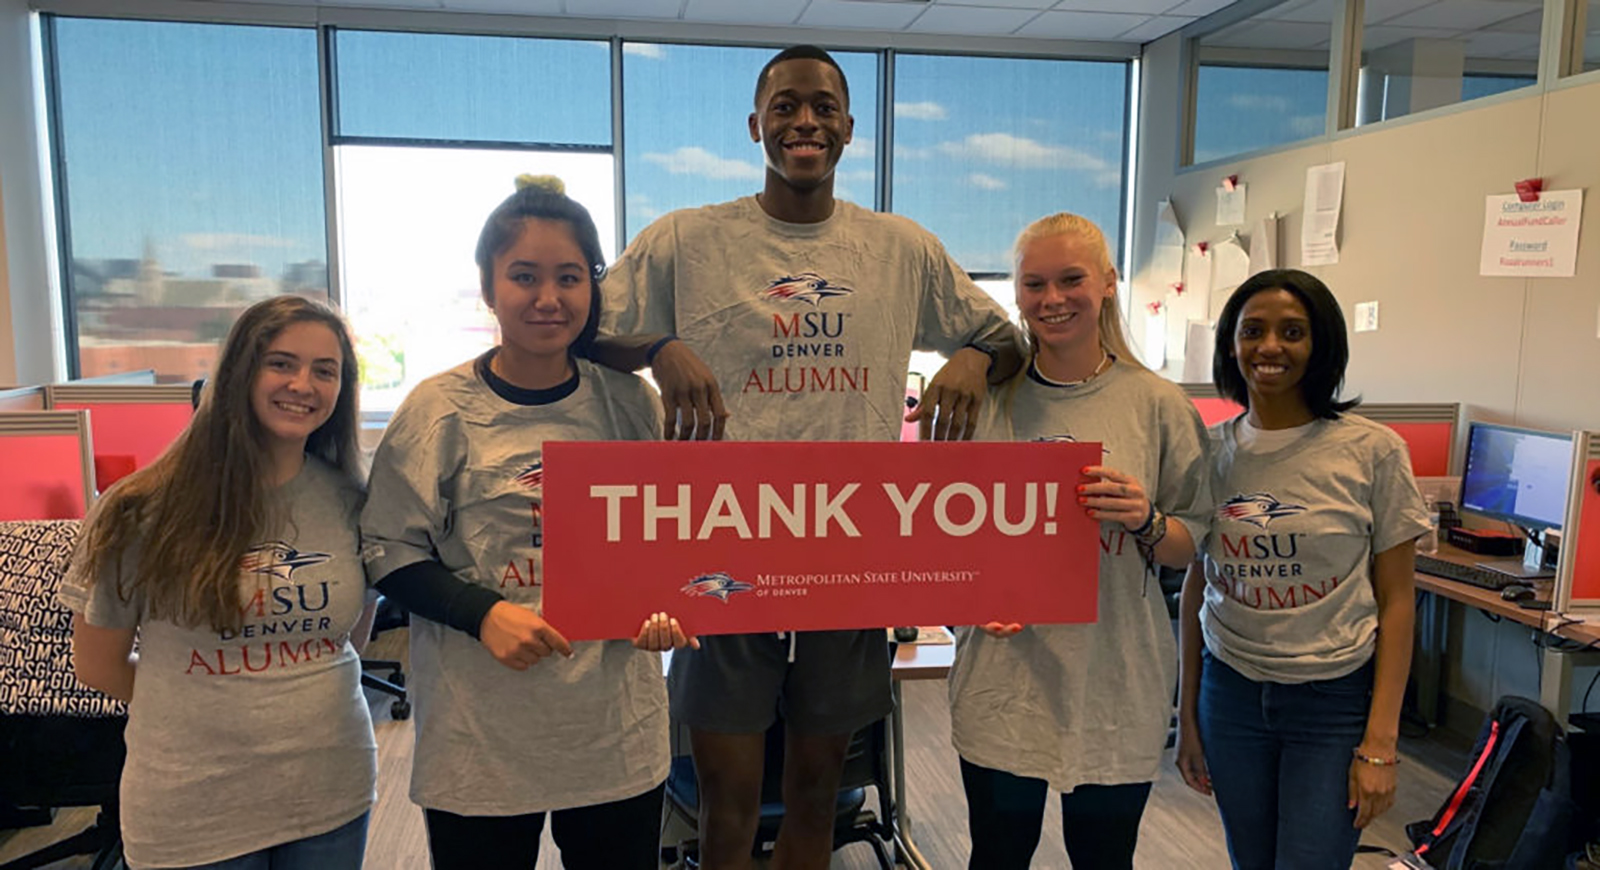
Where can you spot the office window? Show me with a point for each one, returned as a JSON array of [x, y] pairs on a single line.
[[985, 145], [1588, 36], [434, 86], [191, 156], [433, 130], [1417, 58], [685, 138], [1262, 81]]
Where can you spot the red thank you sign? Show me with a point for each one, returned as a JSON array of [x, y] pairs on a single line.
[[751, 537]]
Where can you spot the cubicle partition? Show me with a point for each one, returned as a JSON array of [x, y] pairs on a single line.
[[46, 467], [137, 376], [22, 399], [1578, 570], [1429, 430], [1212, 406], [132, 423]]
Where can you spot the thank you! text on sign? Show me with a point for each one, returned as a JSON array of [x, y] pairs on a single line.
[[741, 537]]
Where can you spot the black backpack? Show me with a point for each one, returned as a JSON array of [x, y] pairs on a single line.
[[1513, 809]]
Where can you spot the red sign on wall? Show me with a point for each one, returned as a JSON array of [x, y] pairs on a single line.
[[752, 537]]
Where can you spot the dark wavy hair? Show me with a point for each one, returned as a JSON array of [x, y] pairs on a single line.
[[1330, 345], [801, 52], [544, 198]]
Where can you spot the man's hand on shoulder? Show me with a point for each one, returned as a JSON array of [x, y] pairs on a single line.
[[951, 401], [689, 394]]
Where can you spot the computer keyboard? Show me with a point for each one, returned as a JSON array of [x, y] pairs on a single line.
[[1487, 578]]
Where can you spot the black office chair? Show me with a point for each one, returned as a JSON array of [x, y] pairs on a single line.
[[60, 741], [865, 766], [390, 615]]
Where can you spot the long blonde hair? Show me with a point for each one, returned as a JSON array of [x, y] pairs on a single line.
[[1110, 327], [190, 516]]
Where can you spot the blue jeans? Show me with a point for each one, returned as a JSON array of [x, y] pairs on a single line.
[[340, 849], [1279, 759]]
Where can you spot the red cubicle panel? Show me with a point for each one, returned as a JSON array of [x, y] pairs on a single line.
[[129, 420], [1578, 584], [45, 473], [1429, 430], [1212, 406]]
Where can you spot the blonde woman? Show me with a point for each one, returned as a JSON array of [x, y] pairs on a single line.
[[233, 557], [1082, 709]]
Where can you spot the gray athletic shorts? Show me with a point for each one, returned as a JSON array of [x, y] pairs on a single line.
[[741, 683]]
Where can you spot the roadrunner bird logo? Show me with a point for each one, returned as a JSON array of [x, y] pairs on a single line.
[[1066, 439], [279, 560], [532, 477], [1256, 508], [807, 287], [719, 586]]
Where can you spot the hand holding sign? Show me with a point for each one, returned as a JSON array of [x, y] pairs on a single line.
[[1114, 498]]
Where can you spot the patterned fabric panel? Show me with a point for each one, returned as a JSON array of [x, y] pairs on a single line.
[[35, 630]]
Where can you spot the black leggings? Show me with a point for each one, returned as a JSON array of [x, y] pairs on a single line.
[[621, 835], [1005, 814]]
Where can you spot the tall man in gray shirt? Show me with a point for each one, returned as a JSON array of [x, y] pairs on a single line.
[[805, 310]]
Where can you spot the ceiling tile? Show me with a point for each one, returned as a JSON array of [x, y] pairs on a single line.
[[973, 20], [1081, 25], [744, 11], [508, 7], [1382, 11], [1312, 11], [1504, 45], [849, 13], [394, 4], [1155, 28], [1004, 4], [1527, 22], [623, 8], [1198, 8], [1462, 14], [1274, 34], [1143, 7], [1383, 36]]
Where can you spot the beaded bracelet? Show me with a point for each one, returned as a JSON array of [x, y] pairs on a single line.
[[1373, 760]]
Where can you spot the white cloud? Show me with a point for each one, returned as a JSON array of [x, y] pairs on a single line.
[[1307, 125], [986, 182], [644, 49], [233, 241], [906, 152], [924, 111], [695, 160], [860, 148], [856, 174], [1004, 149], [1262, 102]]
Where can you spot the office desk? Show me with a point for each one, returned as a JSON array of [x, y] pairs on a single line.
[[1555, 665], [911, 662]]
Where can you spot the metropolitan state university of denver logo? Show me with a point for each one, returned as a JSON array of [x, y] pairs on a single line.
[[808, 287], [1256, 508], [717, 585]]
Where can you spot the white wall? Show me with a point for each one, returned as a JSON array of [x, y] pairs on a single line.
[[27, 354], [1518, 350]]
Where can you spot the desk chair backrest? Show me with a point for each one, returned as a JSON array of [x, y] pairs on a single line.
[[46, 471], [129, 420]]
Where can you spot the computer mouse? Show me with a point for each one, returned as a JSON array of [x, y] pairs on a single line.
[[1517, 592]]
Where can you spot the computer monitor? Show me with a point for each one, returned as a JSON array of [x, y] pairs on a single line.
[[1517, 475]]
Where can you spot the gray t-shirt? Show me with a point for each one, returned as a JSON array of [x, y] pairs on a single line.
[[241, 741], [808, 328], [1289, 594], [1089, 703], [458, 479]]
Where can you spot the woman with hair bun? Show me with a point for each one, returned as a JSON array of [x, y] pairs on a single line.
[[512, 721], [234, 559]]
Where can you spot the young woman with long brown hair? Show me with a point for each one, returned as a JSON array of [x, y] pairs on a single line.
[[234, 559]]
